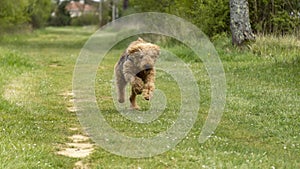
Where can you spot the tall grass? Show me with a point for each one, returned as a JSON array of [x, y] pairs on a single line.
[[284, 49]]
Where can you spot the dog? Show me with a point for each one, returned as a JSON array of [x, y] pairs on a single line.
[[136, 66]]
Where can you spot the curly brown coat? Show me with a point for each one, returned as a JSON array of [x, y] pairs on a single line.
[[136, 66]]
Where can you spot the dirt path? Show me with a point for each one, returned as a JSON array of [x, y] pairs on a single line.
[[20, 92], [80, 146]]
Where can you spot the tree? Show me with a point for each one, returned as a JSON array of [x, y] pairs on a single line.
[[125, 4], [39, 12], [277, 17], [212, 17], [12, 13], [62, 16], [240, 22], [24, 13]]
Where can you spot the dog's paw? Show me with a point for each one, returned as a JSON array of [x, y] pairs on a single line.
[[136, 107], [147, 95], [148, 91], [121, 100]]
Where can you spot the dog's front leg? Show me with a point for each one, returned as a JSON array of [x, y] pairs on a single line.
[[137, 83], [137, 86], [149, 85]]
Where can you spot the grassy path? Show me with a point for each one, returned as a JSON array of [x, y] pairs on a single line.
[[36, 73], [260, 127]]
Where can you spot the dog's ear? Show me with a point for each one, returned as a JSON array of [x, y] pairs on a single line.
[[133, 48], [140, 39], [157, 49]]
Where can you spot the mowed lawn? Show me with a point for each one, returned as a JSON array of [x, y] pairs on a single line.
[[260, 127]]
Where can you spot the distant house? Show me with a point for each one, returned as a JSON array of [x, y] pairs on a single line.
[[77, 9]]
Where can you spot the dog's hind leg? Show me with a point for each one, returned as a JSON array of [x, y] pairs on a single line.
[[120, 85], [121, 93]]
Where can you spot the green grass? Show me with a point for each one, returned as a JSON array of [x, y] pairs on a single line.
[[260, 127], [35, 72]]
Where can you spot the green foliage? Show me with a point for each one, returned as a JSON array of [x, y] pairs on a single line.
[[13, 59], [280, 50], [12, 13], [213, 17], [39, 12], [87, 19], [152, 5], [276, 16], [62, 16]]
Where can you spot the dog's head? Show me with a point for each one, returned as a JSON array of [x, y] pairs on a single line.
[[143, 54]]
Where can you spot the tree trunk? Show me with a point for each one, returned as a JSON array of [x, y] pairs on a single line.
[[113, 15], [125, 4], [240, 22], [100, 9]]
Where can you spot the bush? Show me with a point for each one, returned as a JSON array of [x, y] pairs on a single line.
[[12, 14], [16, 14], [283, 49], [62, 16], [212, 17], [87, 19], [60, 20], [39, 12], [278, 17]]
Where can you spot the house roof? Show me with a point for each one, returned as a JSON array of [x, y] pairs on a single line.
[[77, 6]]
